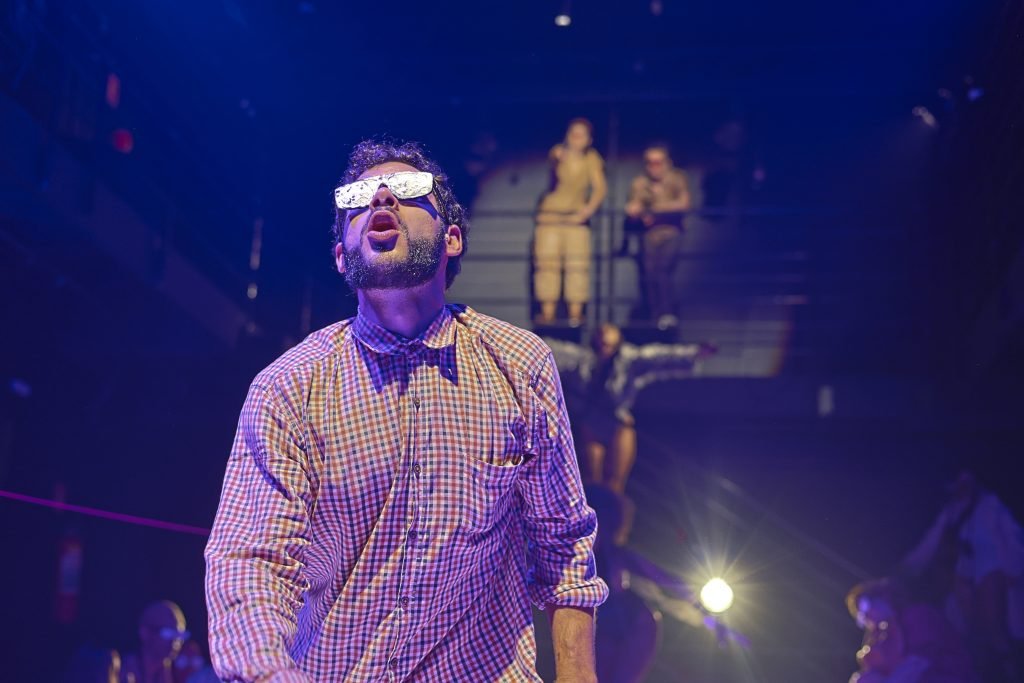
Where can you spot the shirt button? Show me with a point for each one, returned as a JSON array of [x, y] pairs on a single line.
[[416, 400], [393, 664], [412, 535], [404, 602], [416, 469]]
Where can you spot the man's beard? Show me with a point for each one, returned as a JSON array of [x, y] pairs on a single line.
[[418, 268]]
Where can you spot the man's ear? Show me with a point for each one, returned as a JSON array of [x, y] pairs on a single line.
[[339, 257], [453, 241]]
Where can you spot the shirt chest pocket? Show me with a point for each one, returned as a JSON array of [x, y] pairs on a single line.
[[487, 493]]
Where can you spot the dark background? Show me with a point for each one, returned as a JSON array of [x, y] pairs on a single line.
[[129, 334]]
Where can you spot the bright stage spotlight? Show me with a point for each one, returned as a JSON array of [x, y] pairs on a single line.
[[563, 20], [716, 595]]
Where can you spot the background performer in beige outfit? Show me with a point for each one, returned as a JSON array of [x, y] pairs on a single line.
[[561, 243]]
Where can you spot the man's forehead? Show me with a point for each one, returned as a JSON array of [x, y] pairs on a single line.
[[386, 167]]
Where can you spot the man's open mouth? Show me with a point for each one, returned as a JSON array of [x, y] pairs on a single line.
[[382, 221], [382, 230]]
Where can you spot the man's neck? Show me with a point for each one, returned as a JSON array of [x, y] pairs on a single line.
[[405, 312]]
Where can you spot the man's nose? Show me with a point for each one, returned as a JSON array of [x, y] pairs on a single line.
[[383, 198]]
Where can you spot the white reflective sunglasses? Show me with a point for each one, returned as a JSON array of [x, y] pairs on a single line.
[[404, 185]]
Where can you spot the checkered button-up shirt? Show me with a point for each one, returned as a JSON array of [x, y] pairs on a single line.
[[392, 506]]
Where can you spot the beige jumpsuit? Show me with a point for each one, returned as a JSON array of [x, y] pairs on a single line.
[[560, 244]]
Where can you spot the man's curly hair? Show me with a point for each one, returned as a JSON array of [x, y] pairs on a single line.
[[370, 153]]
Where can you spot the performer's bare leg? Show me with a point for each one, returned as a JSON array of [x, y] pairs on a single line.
[[547, 312], [621, 457], [575, 311], [628, 514], [595, 453]]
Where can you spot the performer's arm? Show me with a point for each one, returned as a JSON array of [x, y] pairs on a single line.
[[918, 559], [653, 362], [637, 202], [560, 529], [254, 558], [680, 201], [598, 186]]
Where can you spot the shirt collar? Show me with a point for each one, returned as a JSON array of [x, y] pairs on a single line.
[[439, 334]]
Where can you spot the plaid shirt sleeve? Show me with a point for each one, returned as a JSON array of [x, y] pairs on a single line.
[[560, 527], [254, 558]]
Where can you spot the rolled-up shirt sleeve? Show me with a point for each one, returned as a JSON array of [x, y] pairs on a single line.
[[254, 558], [560, 527]]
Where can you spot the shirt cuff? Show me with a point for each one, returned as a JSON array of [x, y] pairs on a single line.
[[582, 594]]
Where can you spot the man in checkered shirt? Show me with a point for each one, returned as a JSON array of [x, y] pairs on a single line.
[[403, 483]]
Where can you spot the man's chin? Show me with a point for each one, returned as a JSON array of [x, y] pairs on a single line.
[[383, 252], [388, 283], [404, 265], [386, 273]]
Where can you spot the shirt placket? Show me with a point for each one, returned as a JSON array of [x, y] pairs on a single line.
[[412, 405]]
